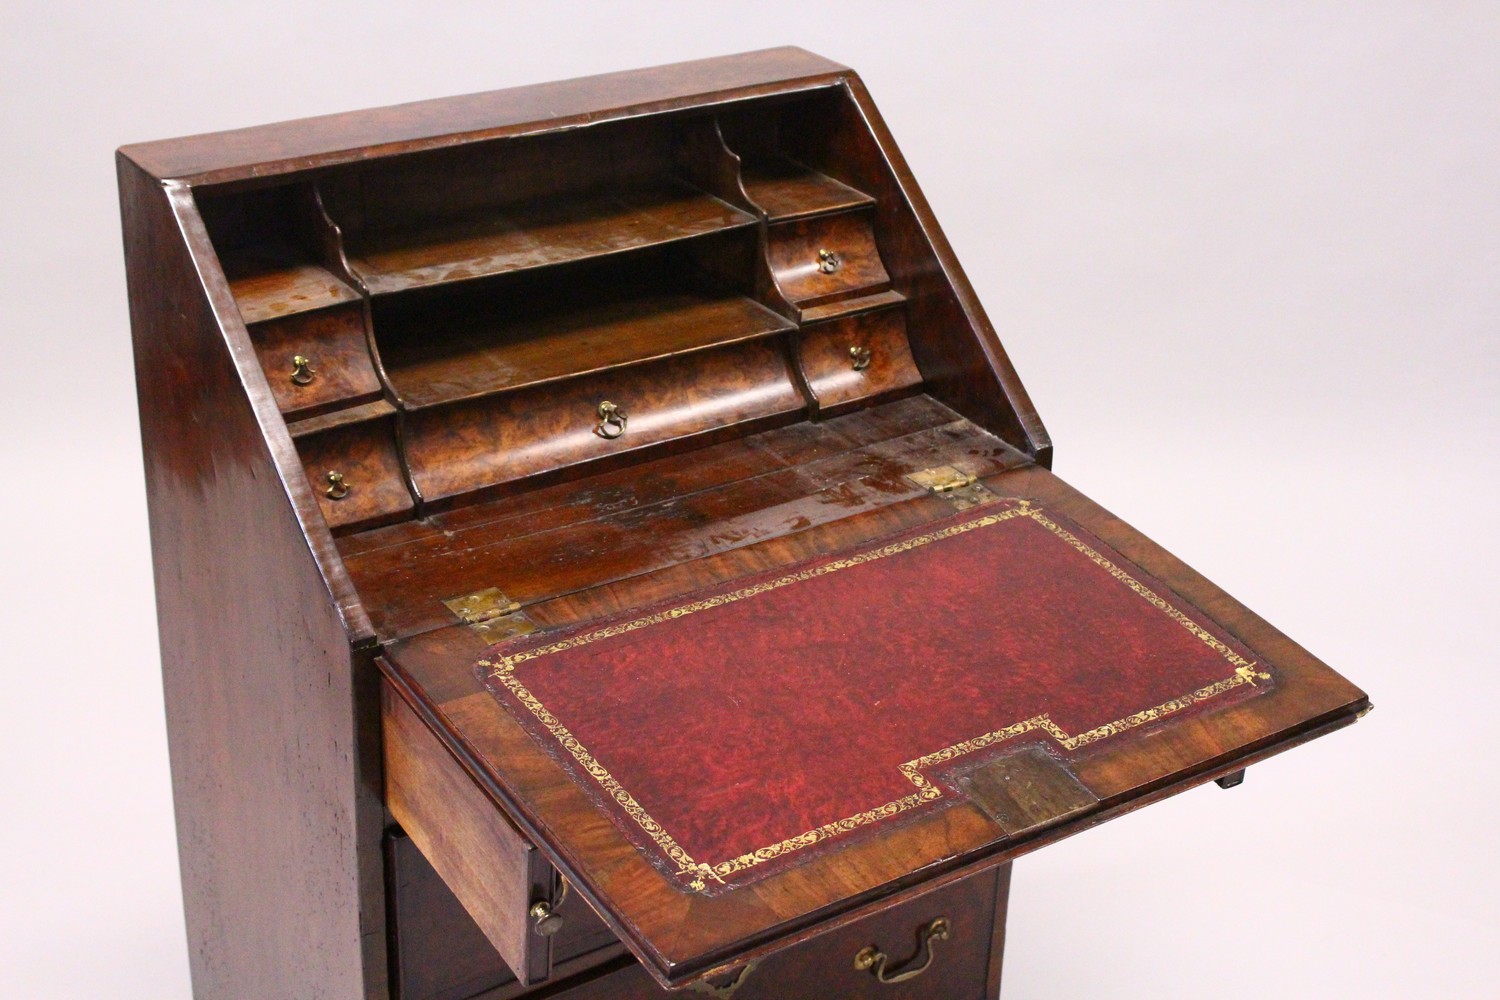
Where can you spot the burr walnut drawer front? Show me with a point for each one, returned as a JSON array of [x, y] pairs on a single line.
[[353, 466], [465, 449], [858, 358], [827, 258], [317, 361]]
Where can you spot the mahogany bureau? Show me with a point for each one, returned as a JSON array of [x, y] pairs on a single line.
[[602, 549]]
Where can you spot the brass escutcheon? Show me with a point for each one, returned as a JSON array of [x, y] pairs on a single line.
[[611, 421], [302, 370], [337, 488], [872, 959], [859, 357], [829, 261]]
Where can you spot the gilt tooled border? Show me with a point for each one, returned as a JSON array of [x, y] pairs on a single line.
[[1244, 672]]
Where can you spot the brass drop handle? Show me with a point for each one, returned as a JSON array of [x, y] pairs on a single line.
[[611, 421], [546, 921], [337, 488], [859, 357], [872, 959], [829, 261], [302, 370]]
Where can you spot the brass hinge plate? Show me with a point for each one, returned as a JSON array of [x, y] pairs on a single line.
[[490, 614], [962, 489]]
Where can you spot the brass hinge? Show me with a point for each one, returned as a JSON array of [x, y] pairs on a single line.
[[490, 614], [962, 489]]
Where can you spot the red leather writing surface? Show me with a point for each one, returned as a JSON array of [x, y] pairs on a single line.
[[731, 729]]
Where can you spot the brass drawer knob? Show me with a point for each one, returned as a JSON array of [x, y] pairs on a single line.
[[337, 488], [611, 421], [829, 261], [859, 357], [302, 370], [545, 920], [873, 960]]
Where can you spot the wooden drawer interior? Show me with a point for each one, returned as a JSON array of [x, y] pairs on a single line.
[[439, 952], [492, 869]]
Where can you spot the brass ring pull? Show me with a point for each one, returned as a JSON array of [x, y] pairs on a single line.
[[337, 488], [727, 990], [859, 357], [829, 261], [302, 370], [611, 421], [874, 960]]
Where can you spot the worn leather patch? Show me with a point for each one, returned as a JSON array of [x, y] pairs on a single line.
[[1027, 791]]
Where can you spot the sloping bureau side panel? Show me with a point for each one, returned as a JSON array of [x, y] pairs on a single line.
[[277, 835]]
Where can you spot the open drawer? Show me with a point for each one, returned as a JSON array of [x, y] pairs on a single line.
[[734, 754]]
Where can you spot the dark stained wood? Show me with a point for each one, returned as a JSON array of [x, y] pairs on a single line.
[[786, 190], [460, 451], [274, 281], [824, 352], [268, 150], [673, 476], [494, 871], [842, 134], [476, 352], [793, 250], [364, 455], [963, 967], [265, 651], [666, 512], [540, 234], [334, 342], [997, 944], [439, 953], [472, 279], [850, 306]]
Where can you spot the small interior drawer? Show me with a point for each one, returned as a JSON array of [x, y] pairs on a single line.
[[827, 258], [351, 461], [857, 358], [461, 449], [335, 368]]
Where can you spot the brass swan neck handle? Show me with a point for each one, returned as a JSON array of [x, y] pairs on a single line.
[[873, 960]]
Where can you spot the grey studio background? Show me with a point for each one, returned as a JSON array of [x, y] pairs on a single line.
[[1246, 258]]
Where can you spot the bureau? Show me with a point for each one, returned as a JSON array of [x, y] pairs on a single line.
[[602, 549]]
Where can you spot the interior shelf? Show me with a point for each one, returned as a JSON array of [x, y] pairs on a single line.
[[785, 189], [273, 281], [481, 351], [540, 233], [848, 307]]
